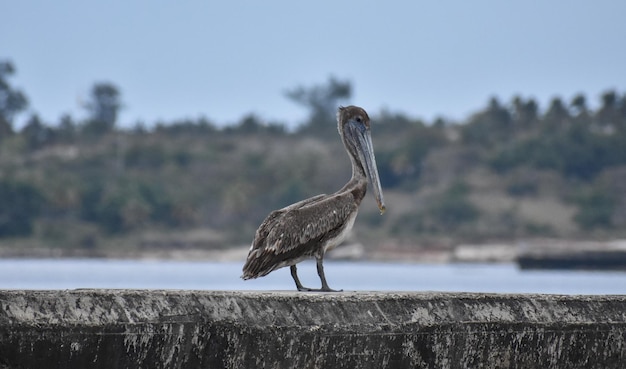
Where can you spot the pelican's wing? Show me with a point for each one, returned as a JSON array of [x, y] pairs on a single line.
[[310, 224], [296, 231], [273, 219]]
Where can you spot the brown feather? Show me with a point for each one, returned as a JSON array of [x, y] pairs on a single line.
[[298, 231]]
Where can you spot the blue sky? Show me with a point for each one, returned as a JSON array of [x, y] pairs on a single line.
[[224, 59]]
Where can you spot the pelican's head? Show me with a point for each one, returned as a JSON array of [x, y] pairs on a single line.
[[354, 127]]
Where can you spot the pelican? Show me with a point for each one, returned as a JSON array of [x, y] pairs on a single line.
[[314, 226]]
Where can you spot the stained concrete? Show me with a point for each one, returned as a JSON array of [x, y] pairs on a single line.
[[235, 329]]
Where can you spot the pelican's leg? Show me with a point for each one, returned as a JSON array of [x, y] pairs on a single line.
[[294, 275], [320, 272]]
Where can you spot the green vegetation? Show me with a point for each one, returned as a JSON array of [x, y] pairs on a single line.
[[507, 171]]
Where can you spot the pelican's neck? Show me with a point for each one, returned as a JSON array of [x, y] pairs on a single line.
[[357, 184]]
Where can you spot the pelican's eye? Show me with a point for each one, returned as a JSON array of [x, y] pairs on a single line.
[[359, 119]]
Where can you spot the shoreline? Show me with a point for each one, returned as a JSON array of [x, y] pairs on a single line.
[[504, 252]]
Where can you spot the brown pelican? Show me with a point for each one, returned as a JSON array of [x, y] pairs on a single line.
[[312, 227]]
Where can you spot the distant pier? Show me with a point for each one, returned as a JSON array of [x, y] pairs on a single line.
[[235, 329], [584, 255]]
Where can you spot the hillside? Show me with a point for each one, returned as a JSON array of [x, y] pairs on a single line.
[[509, 172]]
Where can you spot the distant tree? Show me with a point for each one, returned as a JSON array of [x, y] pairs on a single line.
[[531, 109], [202, 126], [139, 128], [579, 103], [125, 205], [498, 113], [609, 100], [275, 128], [525, 113], [557, 115], [490, 126], [440, 123], [453, 208], [249, 124], [103, 107], [402, 163], [595, 210], [145, 156], [252, 124], [66, 131], [35, 133], [608, 116], [447, 212], [584, 154], [573, 151], [622, 112], [20, 205], [12, 101], [322, 102], [390, 123]]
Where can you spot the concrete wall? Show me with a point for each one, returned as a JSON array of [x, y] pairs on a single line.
[[210, 329]]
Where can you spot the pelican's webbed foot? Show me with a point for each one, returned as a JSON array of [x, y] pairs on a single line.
[[326, 289], [306, 289]]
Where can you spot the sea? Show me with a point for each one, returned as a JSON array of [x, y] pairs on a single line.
[[57, 274]]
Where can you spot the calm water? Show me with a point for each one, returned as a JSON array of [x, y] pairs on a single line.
[[89, 273]]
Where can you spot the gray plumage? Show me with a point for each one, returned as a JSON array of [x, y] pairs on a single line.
[[312, 227]]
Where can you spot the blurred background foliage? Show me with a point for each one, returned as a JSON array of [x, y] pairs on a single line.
[[510, 170]]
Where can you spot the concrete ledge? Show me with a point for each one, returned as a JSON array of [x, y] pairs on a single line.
[[211, 329]]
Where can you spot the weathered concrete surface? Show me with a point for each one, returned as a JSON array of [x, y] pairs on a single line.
[[209, 329]]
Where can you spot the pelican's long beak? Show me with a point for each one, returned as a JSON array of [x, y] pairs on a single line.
[[366, 153]]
